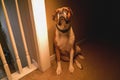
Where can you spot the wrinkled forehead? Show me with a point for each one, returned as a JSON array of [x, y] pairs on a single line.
[[63, 9]]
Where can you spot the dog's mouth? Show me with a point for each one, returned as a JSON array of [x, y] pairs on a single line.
[[63, 20]]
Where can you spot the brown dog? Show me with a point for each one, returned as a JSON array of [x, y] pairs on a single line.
[[65, 47]]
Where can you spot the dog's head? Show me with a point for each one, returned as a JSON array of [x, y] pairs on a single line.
[[62, 15]]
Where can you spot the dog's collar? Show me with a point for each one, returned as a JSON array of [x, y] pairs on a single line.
[[65, 30]]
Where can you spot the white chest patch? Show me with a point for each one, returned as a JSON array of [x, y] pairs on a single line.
[[65, 42]]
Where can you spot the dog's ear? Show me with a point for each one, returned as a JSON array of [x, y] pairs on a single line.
[[54, 16], [70, 10]]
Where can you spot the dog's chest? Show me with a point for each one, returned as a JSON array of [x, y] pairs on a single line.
[[64, 42]]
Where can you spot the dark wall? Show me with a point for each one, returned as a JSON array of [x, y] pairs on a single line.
[[95, 19], [104, 21]]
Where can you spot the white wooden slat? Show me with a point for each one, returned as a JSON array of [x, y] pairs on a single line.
[[22, 34], [7, 70], [12, 37]]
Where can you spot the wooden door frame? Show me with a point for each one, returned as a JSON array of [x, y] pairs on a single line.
[[43, 56]]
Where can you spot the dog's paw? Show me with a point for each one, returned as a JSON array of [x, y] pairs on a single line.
[[59, 70], [71, 68]]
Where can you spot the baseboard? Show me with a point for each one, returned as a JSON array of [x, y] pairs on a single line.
[[26, 70], [35, 63], [52, 57], [16, 75]]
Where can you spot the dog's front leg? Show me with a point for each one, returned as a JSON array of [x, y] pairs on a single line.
[[59, 69], [71, 68]]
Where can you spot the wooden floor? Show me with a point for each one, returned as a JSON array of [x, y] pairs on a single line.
[[102, 62]]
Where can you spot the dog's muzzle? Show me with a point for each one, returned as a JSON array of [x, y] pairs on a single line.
[[62, 19]]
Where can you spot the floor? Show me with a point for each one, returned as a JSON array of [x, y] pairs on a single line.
[[102, 62]]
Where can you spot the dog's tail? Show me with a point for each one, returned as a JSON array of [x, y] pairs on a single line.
[[79, 55], [79, 52]]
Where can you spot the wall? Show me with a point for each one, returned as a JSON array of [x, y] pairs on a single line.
[[104, 21], [79, 18]]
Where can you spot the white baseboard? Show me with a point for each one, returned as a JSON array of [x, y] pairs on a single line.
[[26, 70], [16, 75], [35, 63], [52, 57]]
